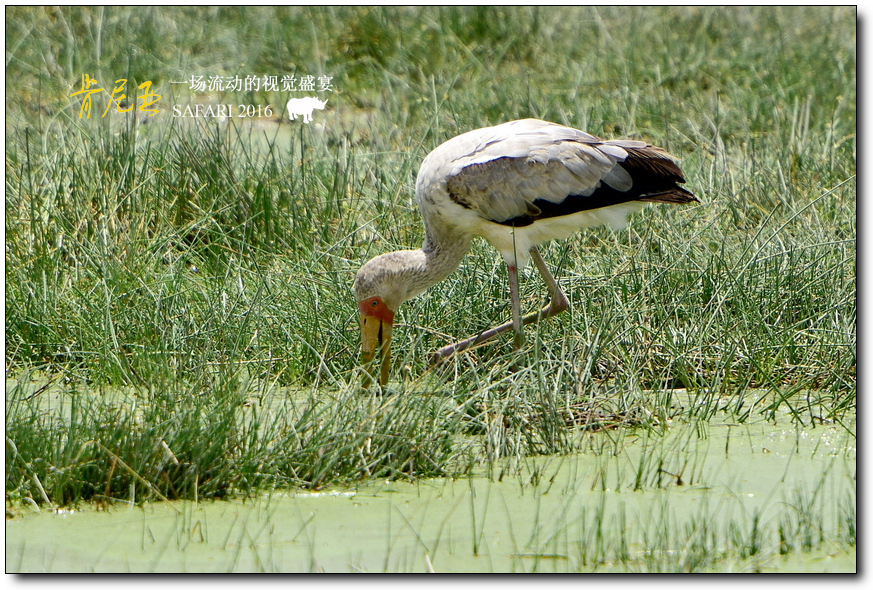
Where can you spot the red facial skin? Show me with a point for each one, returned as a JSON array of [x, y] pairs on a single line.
[[375, 307]]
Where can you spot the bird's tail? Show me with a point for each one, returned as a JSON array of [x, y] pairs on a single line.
[[676, 195]]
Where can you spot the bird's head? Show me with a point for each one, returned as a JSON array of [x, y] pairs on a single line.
[[378, 299], [380, 287]]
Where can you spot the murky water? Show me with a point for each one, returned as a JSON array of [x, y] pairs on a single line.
[[751, 498]]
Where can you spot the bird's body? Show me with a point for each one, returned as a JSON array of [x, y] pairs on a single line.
[[517, 185]]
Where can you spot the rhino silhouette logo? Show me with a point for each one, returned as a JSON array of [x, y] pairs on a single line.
[[304, 106]]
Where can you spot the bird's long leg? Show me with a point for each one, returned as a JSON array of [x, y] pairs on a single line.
[[517, 322], [557, 303], [557, 300]]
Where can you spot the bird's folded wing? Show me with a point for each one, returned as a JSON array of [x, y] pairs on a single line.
[[500, 187]]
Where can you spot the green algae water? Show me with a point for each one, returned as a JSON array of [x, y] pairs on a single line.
[[736, 498]]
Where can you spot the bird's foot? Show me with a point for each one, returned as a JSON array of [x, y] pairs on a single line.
[[558, 304], [447, 351]]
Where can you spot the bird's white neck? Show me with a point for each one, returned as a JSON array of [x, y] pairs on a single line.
[[398, 276], [438, 257], [443, 252]]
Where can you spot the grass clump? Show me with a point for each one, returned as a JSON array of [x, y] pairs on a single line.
[[65, 445]]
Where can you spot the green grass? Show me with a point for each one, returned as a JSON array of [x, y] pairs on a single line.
[[198, 272]]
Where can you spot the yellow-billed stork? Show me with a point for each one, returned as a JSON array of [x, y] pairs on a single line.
[[517, 185]]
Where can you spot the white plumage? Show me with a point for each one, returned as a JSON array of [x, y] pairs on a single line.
[[517, 185]]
